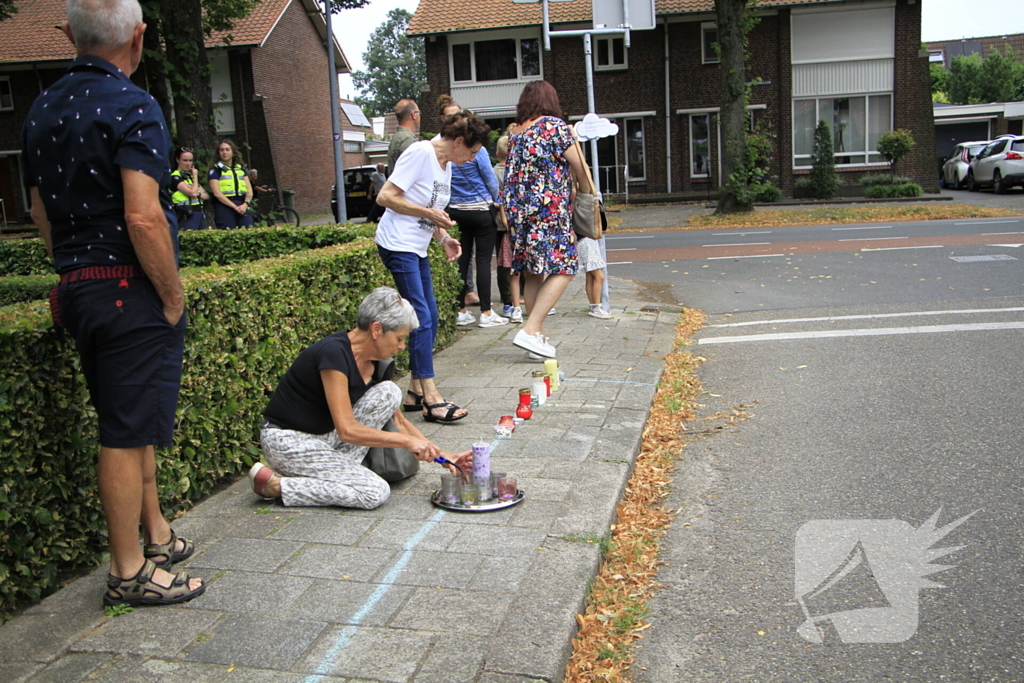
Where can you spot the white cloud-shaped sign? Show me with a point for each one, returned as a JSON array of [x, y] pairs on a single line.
[[593, 126]]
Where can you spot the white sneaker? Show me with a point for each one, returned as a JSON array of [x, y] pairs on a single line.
[[599, 312], [532, 356], [534, 343], [517, 315], [465, 319], [492, 319], [552, 311]]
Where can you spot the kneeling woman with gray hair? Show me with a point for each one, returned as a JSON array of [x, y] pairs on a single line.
[[328, 410]]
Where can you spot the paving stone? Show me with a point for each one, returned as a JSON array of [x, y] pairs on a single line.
[[452, 658], [18, 672], [477, 613], [42, 637], [537, 489], [81, 595], [327, 529], [258, 642], [395, 533], [590, 504], [153, 633], [562, 450], [349, 602], [263, 555], [506, 541], [433, 569], [502, 574], [332, 562], [465, 381], [368, 653], [536, 514], [565, 470], [251, 593], [69, 668]]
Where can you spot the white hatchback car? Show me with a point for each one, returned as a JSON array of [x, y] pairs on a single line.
[[954, 170], [1000, 165]]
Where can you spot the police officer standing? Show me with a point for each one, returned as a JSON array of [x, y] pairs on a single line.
[[96, 152], [230, 188], [188, 195]]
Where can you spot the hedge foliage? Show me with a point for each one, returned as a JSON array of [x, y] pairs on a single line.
[[246, 325], [893, 191], [15, 289], [201, 247]]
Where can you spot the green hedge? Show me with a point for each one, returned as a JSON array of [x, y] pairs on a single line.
[[884, 179], [202, 247], [246, 325], [17, 288], [893, 191]]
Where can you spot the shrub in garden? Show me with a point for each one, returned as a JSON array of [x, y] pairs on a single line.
[[895, 145], [18, 288], [246, 325], [893, 191], [824, 179], [883, 179]]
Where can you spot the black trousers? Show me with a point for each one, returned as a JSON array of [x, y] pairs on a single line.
[[475, 227], [504, 274]]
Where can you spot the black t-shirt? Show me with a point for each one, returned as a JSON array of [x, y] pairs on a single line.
[[299, 402]]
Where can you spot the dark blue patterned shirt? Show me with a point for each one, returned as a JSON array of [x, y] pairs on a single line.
[[78, 135]]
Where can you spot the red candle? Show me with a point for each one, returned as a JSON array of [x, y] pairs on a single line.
[[524, 410]]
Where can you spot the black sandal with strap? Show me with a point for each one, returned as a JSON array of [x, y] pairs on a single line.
[[153, 551], [413, 407], [428, 413], [142, 591]]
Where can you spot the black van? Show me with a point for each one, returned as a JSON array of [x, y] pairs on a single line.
[[357, 192]]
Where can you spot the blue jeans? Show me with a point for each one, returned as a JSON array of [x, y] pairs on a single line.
[[415, 283]]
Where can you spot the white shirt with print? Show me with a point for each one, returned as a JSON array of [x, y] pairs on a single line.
[[425, 184]]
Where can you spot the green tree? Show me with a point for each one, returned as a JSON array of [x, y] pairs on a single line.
[[395, 66], [895, 145], [996, 78], [734, 24], [964, 79], [940, 79], [7, 8], [824, 179]]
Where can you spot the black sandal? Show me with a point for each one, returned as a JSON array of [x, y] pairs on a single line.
[[152, 551], [413, 407], [142, 591], [428, 413]]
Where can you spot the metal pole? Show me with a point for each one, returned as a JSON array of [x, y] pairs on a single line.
[[339, 176], [592, 107], [547, 33]]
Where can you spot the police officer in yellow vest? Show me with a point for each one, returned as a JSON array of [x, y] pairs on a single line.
[[187, 194], [230, 187]]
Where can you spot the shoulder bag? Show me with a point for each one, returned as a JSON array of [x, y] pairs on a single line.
[[587, 219], [389, 463]]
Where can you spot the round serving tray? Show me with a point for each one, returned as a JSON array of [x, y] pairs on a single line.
[[489, 506]]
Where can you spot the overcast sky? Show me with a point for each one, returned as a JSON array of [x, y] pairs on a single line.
[[942, 20]]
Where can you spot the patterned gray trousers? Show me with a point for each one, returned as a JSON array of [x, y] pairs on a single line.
[[321, 469]]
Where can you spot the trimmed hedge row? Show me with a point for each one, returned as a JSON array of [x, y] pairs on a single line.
[[17, 288], [893, 191], [202, 247], [246, 325]]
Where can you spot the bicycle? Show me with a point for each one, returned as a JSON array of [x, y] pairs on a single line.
[[274, 213]]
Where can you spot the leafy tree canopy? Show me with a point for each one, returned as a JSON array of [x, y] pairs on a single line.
[[996, 78], [395, 66], [7, 8]]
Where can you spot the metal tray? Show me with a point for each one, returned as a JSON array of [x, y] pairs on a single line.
[[489, 506]]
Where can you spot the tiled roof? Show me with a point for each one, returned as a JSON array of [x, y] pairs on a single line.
[[445, 16], [30, 35], [988, 43]]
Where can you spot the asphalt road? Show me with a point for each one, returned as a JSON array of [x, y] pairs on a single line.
[[853, 391]]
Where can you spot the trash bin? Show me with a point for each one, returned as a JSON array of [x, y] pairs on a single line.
[[289, 198]]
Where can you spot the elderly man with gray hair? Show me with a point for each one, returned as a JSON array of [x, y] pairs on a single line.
[[96, 155], [329, 408]]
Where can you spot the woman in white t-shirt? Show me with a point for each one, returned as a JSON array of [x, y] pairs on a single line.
[[415, 196]]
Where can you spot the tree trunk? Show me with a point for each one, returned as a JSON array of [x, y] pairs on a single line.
[[733, 197], [153, 71], [189, 75]]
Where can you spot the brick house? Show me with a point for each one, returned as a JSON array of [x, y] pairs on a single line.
[[859, 65], [945, 51], [270, 91]]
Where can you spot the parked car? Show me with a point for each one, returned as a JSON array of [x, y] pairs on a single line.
[[954, 171], [1000, 165], [357, 192]]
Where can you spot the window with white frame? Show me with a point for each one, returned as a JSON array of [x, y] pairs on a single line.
[[609, 53], [6, 96], [506, 59], [856, 123], [708, 38], [636, 166], [354, 147], [700, 145]]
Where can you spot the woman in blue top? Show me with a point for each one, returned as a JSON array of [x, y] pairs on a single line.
[[474, 191], [230, 188]]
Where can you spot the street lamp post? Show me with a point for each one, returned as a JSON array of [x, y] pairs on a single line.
[[339, 179]]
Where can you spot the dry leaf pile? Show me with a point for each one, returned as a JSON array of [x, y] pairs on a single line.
[[854, 214], [613, 619]]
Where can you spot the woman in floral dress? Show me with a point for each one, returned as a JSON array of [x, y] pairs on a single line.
[[537, 198]]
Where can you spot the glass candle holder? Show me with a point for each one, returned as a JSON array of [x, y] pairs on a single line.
[[508, 487], [450, 488], [495, 476], [483, 489], [468, 494]]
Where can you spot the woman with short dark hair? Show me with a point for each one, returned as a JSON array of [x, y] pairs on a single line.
[[415, 197], [542, 160]]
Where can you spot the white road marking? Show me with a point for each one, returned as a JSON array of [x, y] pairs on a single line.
[[760, 232], [1013, 246], [986, 222], [937, 246], [738, 244], [624, 237], [870, 239], [623, 249], [873, 227], [873, 316], [720, 258], [986, 234], [876, 332], [618, 263]]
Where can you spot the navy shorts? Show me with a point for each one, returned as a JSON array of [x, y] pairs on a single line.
[[131, 357]]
